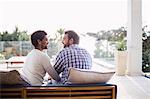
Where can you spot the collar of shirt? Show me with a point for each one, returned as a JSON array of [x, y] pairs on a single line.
[[73, 46]]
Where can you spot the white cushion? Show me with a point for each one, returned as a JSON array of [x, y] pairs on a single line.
[[80, 76]]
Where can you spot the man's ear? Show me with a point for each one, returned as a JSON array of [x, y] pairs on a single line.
[[39, 42], [71, 41]]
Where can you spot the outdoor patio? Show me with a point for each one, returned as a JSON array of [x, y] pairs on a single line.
[[128, 87], [132, 87]]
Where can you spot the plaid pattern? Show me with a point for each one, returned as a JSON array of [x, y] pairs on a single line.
[[72, 56]]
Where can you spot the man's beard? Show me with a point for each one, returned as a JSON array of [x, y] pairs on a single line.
[[45, 47], [66, 45]]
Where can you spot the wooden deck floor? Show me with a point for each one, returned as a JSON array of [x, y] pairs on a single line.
[[132, 87]]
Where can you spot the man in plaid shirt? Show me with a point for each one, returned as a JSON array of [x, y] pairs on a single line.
[[71, 56]]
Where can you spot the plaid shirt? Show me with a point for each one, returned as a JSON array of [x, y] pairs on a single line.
[[72, 56]]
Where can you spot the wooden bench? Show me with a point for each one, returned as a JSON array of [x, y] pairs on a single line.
[[90, 91]]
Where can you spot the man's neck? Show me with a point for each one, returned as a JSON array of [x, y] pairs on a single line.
[[39, 48]]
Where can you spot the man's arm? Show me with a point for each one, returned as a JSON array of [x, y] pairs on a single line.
[[50, 69], [59, 63]]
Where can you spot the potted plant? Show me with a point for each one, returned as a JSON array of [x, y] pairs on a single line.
[[121, 58], [121, 45]]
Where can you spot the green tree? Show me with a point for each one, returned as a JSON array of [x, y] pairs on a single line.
[[23, 36], [16, 35], [111, 37], [6, 36], [55, 43], [59, 34], [118, 34], [0, 36], [146, 50]]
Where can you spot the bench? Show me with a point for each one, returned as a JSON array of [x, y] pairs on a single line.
[[88, 91]]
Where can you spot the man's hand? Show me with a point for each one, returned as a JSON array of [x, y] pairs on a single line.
[[49, 78]]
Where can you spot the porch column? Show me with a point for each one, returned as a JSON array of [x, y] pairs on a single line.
[[134, 37]]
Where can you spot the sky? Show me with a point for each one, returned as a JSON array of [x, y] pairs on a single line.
[[80, 15]]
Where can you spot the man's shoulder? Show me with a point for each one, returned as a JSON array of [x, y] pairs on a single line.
[[65, 49], [72, 49], [82, 49], [39, 53]]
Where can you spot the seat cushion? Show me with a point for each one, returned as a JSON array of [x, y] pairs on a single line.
[[10, 78], [80, 76]]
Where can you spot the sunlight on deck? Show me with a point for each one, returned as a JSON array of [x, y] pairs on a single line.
[[132, 87]]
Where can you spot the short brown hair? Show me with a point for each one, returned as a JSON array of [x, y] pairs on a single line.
[[73, 35]]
